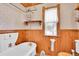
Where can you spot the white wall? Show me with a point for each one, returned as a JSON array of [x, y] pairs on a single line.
[[11, 18], [37, 15], [66, 14]]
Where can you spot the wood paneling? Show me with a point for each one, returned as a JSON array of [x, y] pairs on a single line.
[[22, 36], [29, 4], [64, 41]]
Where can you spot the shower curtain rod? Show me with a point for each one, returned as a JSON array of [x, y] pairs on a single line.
[[21, 9], [17, 7]]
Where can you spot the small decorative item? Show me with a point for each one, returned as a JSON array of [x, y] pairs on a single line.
[[42, 53], [77, 14], [73, 52]]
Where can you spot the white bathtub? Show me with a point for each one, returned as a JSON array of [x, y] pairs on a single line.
[[24, 49]]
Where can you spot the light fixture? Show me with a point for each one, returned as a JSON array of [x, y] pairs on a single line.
[[31, 10]]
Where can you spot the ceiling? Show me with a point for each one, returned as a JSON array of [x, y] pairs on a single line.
[[29, 4]]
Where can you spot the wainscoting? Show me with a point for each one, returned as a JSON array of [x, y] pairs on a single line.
[[64, 40]]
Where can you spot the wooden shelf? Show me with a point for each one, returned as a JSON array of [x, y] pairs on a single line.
[[34, 21], [34, 24], [26, 22]]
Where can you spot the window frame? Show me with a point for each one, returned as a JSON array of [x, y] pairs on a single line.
[[58, 22]]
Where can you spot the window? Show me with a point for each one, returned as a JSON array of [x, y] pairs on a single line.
[[50, 21]]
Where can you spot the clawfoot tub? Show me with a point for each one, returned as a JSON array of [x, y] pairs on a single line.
[[23, 49]]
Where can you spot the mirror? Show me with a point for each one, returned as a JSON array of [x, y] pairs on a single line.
[[50, 21]]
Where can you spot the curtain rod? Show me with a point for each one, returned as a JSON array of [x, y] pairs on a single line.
[[17, 7]]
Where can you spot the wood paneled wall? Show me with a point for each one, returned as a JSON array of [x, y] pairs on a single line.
[[64, 40]]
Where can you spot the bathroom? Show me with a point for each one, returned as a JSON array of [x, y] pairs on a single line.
[[28, 20]]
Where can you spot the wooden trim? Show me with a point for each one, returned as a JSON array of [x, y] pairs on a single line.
[[52, 6], [11, 31], [70, 29], [43, 8], [7, 31], [58, 26], [30, 4]]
